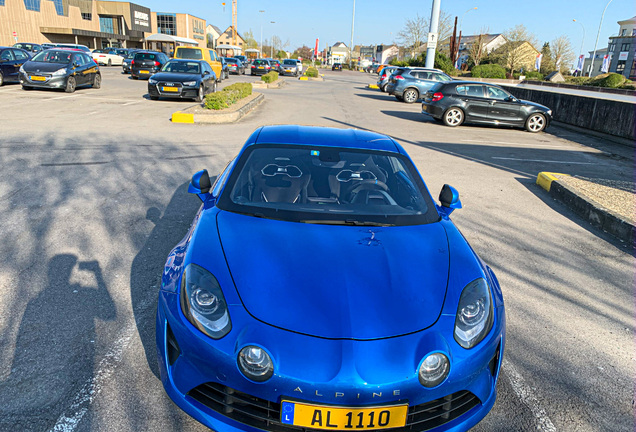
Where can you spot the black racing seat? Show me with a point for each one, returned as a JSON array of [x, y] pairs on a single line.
[[279, 181]]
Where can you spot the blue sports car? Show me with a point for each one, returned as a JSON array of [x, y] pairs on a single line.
[[320, 287]]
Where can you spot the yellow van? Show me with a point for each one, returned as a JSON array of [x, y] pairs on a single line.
[[207, 54]]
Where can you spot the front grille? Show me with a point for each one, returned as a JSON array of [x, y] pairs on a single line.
[[263, 414], [178, 86]]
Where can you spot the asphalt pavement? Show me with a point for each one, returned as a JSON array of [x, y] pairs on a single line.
[[93, 197]]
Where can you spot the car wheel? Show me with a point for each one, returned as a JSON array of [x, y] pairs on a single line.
[[70, 85], [1, 79], [535, 123], [200, 94], [453, 117], [411, 96], [110, 62], [214, 87], [383, 88], [398, 97], [97, 81]]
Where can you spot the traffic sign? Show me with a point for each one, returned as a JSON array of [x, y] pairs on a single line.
[[15, 34], [432, 41]]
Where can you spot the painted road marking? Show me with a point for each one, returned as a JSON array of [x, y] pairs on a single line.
[[536, 146], [545, 161], [525, 394], [65, 97], [131, 103]]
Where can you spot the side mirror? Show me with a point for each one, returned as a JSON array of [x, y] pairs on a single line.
[[449, 198], [200, 184], [511, 99], [206, 73], [75, 64]]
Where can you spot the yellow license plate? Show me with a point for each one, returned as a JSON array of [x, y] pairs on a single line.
[[144, 72], [343, 418], [170, 89], [261, 67], [37, 78]]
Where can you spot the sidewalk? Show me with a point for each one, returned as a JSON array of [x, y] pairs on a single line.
[[607, 204]]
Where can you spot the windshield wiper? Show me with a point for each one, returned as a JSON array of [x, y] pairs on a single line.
[[350, 222]]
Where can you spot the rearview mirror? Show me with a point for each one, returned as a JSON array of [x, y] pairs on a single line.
[[200, 184], [449, 198]]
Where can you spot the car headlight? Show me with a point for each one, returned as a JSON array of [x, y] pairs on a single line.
[[190, 83], [203, 303], [474, 314], [152, 81], [433, 370], [59, 72], [255, 363], [22, 69]]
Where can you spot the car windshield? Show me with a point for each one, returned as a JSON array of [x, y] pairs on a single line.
[[182, 67], [290, 62], [145, 56], [328, 185], [190, 53], [53, 56]]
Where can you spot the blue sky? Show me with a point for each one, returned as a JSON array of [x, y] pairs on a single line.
[[378, 21]]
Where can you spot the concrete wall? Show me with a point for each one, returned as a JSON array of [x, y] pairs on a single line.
[[601, 115]]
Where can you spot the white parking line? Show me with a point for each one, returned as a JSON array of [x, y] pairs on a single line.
[[537, 146], [131, 103], [65, 97], [545, 161], [525, 394]]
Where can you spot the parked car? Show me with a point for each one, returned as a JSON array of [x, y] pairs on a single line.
[[191, 79], [146, 63], [383, 77], [457, 102], [289, 67], [325, 286], [235, 65], [107, 57], [225, 68], [32, 48], [300, 67], [242, 58], [11, 60], [409, 84], [336, 67], [125, 66], [207, 54], [260, 67], [75, 46], [58, 68], [275, 64]]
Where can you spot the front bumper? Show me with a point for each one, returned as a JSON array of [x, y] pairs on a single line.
[[155, 90], [56, 82], [201, 375]]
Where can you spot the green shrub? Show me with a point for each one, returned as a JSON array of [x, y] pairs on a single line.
[[580, 80], [270, 77], [533, 75], [312, 72], [228, 96], [488, 71], [612, 80]]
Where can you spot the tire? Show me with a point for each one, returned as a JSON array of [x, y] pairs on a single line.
[[383, 88], [214, 87], [1, 79], [410, 95], [200, 95], [536, 123], [453, 117], [398, 97], [110, 62], [70, 85], [97, 81]]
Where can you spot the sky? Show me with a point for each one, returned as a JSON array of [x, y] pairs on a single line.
[[300, 22]]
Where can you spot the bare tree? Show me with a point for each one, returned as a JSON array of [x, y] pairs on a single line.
[[476, 51], [562, 49], [515, 53], [520, 33], [250, 40], [415, 31]]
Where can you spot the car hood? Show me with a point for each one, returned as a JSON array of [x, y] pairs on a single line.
[[534, 104], [175, 77], [341, 282], [32, 66]]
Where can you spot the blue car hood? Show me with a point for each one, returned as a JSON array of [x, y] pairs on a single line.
[[341, 282]]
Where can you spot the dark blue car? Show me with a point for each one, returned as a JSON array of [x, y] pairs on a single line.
[[11, 59], [321, 287]]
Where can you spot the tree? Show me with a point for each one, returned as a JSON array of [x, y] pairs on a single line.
[[520, 33], [303, 52], [415, 31], [562, 52], [547, 62], [476, 51], [250, 40], [514, 54]]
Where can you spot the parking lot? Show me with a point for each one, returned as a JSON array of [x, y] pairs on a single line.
[[93, 197]]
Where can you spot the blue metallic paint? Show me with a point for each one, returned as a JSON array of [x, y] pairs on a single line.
[[325, 367]]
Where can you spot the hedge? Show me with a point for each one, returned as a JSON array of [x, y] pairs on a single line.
[[312, 72], [270, 77], [488, 71], [228, 96]]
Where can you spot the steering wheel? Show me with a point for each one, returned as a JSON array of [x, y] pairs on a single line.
[[369, 184]]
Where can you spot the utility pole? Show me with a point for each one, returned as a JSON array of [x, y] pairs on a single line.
[[353, 20], [261, 13], [597, 35], [433, 32]]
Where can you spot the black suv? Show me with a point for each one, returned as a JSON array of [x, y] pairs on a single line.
[[146, 63]]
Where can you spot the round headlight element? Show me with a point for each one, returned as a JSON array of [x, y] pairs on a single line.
[[433, 370], [255, 363]]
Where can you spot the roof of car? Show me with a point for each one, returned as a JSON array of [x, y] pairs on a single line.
[[325, 136]]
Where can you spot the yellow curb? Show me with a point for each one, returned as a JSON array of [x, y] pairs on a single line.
[[180, 117], [303, 79], [545, 179], [373, 86]]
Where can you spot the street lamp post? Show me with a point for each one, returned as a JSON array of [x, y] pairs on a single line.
[[353, 20], [462, 20], [430, 52], [271, 48], [598, 34], [261, 50], [583, 40]]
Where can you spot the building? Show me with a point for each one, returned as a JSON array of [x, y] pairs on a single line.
[[93, 23], [598, 62], [171, 30], [489, 42], [338, 53], [225, 43], [621, 49], [213, 35], [517, 55]]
